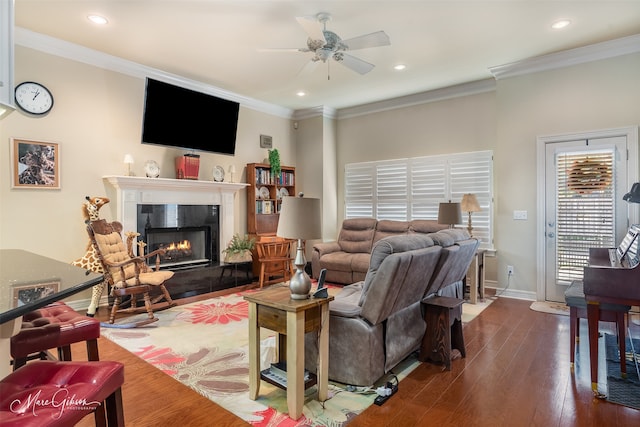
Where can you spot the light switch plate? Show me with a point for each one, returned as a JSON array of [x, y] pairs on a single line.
[[520, 215]]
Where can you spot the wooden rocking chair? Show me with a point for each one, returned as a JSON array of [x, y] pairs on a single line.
[[127, 274]]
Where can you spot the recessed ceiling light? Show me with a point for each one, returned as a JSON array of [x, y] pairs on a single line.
[[399, 67], [301, 93], [97, 19], [560, 24]]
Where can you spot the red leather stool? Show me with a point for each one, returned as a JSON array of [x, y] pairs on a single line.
[[65, 391], [54, 326]]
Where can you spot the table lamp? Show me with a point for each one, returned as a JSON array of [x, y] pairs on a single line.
[[300, 218], [128, 160], [469, 204], [449, 213]]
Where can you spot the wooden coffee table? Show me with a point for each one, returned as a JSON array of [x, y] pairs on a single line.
[[274, 309]]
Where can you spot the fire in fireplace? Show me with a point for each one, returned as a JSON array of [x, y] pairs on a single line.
[[189, 234]]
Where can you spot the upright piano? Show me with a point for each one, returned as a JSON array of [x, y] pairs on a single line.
[[607, 283]]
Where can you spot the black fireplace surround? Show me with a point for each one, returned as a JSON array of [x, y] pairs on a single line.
[[190, 235]]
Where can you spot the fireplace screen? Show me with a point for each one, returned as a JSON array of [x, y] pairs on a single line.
[[183, 246], [189, 234]]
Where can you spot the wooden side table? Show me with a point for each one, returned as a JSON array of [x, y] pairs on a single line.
[[274, 309], [476, 274], [443, 316]]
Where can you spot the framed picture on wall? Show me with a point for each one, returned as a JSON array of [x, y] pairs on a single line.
[[35, 164], [25, 294]]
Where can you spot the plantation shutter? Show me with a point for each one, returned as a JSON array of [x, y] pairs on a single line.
[[407, 189], [428, 186], [585, 209], [359, 190], [472, 173], [391, 190]]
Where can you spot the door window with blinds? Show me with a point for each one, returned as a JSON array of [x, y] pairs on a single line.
[[585, 209], [407, 189]]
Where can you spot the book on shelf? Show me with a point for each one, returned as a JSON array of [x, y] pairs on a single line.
[[264, 207], [265, 177]]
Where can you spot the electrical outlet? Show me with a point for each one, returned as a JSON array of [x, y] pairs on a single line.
[[509, 270]]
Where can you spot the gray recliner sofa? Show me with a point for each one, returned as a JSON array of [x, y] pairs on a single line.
[[374, 324], [347, 259]]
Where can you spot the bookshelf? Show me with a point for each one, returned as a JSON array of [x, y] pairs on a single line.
[[264, 197]]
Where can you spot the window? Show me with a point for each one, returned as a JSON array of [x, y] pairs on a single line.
[[407, 189], [585, 209]]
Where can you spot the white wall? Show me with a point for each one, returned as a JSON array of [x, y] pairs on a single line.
[[590, 96], [96, 119], [597, 95]]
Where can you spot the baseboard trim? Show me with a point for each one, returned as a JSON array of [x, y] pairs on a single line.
[[511, 293]]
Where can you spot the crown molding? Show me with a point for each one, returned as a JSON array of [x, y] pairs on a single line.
[[74, 52], [464, 89], [319, 111], [566, 58]]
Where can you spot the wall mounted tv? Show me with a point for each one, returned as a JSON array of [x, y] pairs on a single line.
[[178, 117]]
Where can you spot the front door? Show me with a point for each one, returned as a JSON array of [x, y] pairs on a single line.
[[584, 184]]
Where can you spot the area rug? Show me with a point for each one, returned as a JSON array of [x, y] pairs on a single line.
[[471, 311], [624, 391], [204, 345], [550, 307]]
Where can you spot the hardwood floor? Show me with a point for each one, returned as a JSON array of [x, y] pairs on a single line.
[[516, 373]]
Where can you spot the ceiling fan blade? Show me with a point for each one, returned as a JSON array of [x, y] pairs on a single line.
[[308, 68], [284, 49], [379, 38], [311, 26], [355, 64]]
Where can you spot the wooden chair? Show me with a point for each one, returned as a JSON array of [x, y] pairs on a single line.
[[127, 274], [276, 262]]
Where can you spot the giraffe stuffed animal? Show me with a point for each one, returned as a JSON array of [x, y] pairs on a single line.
[[90, 260]]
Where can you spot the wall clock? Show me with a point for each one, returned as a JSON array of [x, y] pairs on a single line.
[[33, 98]]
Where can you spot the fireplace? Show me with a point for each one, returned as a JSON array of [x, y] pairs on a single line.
[[189, 234], [169, 211], [133, 197]]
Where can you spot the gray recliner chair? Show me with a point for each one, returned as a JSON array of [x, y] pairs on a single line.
[[376, 323]]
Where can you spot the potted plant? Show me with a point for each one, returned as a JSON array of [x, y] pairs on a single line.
[[239, 249], [274, 162]]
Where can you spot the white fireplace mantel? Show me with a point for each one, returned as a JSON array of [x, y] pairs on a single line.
[[133, 190]]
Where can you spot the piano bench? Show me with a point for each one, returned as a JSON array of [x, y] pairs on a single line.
[[575, 299]]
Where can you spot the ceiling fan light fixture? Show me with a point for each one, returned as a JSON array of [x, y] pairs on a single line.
[[301, 93], [399, 67]]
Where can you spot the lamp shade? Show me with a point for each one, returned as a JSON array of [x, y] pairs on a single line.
[[128, 159], [449, 213], [633, 196], [469, 203], [300, 218]]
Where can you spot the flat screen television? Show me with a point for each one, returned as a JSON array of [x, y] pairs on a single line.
[[183, 118]]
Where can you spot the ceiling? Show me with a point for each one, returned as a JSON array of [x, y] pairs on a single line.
[[222, 43]]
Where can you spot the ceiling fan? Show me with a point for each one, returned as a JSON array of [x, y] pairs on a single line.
[[326, 45]]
